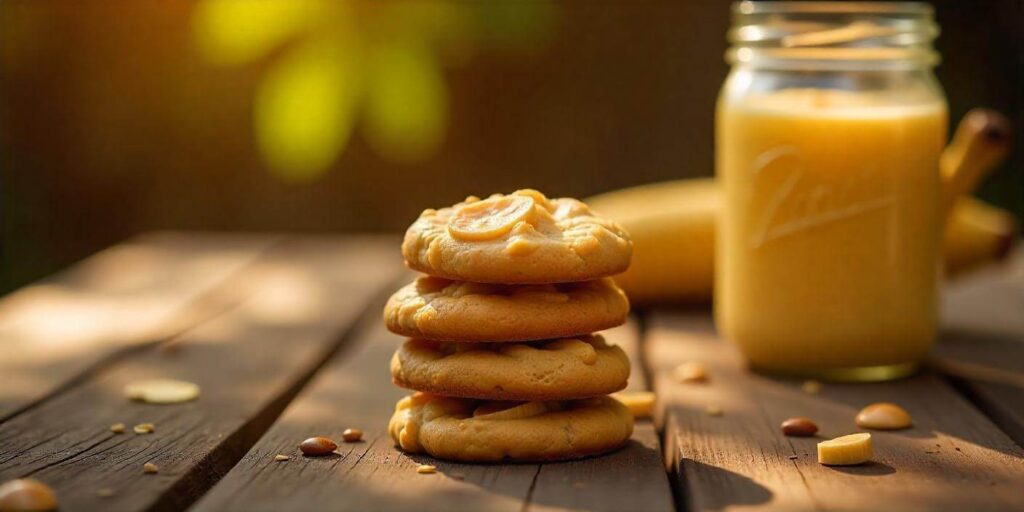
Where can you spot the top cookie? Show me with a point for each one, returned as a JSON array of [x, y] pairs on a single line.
[[519, 238]]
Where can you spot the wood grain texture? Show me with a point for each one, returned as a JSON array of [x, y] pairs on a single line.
[[953, 458], [300, 298], [356, 391], [133, 294], [982, 344]]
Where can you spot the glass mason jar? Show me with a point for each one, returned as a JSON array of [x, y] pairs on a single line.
[[827, 139]]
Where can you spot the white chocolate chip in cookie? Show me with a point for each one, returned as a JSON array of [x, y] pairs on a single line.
[[586, 245], [585, 351], [521, 246]]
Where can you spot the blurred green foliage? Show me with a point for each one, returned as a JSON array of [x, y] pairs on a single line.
[[342, 62]]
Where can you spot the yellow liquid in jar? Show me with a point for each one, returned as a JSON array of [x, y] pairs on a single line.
[[829, 239]]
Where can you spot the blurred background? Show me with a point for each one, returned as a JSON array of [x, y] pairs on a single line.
[[120, 116]]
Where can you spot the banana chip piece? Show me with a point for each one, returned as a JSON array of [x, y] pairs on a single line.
[[162, 391], [640, 403]]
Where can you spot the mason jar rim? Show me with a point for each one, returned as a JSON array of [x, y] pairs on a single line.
[[831, 7], [830, 34]]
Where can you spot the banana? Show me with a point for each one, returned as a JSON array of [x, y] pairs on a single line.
[[977, 233], [672, 224]]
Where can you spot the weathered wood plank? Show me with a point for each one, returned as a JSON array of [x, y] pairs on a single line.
[[982, 346], [952, 459], [355, 391], [302, 296], [132, 294]]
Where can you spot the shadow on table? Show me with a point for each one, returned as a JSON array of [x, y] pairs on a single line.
[[631, 478], [872, 468], [721, 488]]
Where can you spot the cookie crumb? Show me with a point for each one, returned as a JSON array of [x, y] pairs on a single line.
[[426, 469], [279, 457], [713, 410], [105, 493], [691, 372], [150, 468], [117, 428], [811, 387], [144, 428]]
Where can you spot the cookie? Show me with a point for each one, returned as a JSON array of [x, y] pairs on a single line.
[[545, 370], [472, 431], [441, 309], [520, 238]]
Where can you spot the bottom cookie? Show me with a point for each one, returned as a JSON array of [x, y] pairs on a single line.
[[468, 430]]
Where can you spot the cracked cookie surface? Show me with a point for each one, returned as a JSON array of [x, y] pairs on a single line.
[[441, 309], [519, 238], [473, 431], [560, 369]]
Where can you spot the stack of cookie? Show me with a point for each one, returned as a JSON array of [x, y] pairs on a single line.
[[501, 351]]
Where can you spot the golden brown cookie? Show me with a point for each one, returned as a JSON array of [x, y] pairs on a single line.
[[545, 370], [473, 431], [440, 309], [520, 238]]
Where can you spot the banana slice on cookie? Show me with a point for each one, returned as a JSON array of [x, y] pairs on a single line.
[[489, 218]]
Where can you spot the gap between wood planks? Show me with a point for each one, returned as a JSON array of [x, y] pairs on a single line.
[[245, 385]]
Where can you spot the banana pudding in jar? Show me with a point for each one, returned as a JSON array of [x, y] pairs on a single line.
[[828, 134]]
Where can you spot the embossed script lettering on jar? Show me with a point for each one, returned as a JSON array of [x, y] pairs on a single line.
[[799, 202]]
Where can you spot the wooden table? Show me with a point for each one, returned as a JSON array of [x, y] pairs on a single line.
[[284, 335]]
